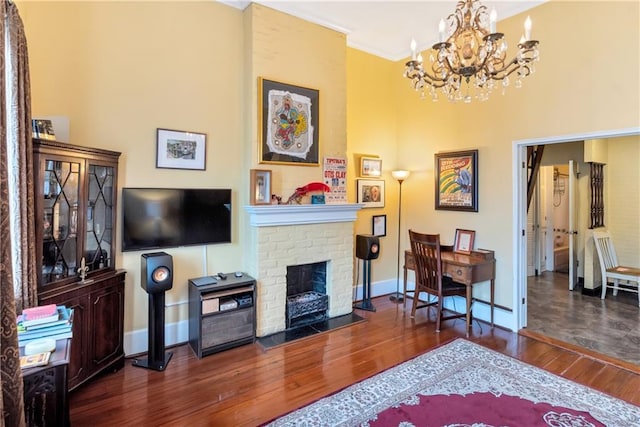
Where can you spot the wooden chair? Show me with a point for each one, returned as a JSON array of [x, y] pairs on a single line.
[[428, 274], [611, 270]]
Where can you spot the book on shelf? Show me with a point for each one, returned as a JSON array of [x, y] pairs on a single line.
[[40, 311], [38, 315], [58, 336], [43, 332], [33, 360], [62, 316]]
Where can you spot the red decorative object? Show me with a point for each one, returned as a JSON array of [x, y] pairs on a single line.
[[309, 188]]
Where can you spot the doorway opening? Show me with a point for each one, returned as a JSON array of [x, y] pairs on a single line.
[[521, 232]]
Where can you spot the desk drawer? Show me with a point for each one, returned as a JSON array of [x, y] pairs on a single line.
[[458, 273]]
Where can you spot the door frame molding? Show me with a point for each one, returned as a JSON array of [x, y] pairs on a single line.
[[519, 242]]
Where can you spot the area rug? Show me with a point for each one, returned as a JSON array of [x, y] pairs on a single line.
[[465, 384]]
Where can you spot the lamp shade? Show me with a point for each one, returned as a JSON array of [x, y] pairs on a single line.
[[400, 175]]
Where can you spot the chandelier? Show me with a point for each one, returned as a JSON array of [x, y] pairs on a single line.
[[471, 57]]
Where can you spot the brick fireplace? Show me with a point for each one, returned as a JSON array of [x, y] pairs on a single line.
[[286, 235]]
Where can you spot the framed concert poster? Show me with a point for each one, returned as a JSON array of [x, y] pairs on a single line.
[[457, 181]]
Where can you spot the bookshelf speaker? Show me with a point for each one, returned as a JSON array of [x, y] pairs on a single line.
[[367, 246], [157, 277], [157, 272]]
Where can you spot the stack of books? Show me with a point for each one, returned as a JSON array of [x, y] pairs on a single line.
[[47, 321]]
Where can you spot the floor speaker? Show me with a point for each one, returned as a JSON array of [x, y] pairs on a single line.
[[157, 278]]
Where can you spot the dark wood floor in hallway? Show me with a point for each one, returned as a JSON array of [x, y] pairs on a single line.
[[608, 326], [249, 385]]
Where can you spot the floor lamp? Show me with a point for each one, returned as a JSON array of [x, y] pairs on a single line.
[[400, 176]]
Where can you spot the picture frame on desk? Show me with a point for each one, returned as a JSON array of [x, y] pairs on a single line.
[[463, 242]]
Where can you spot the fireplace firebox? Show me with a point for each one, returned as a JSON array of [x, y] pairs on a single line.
[[307, 299]]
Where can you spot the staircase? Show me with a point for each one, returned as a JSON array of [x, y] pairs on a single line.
[[534, 158]]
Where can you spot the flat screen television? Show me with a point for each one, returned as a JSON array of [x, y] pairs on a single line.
[[155, 218]]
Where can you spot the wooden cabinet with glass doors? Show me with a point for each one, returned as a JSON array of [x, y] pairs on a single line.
[[75, 209]]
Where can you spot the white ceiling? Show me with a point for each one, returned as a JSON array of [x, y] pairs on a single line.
[[383, 28]]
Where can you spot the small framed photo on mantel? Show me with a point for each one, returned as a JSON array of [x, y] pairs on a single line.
[[260, 187]]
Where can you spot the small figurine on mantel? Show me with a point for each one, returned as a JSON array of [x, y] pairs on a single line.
[[296, 197]]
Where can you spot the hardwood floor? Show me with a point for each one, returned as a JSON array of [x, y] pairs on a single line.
[[247, 386]]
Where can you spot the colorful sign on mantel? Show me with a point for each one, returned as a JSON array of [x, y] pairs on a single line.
[[334, 174]]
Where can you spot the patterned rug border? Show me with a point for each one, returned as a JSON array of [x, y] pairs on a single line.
[[370, 377], [441, 371]]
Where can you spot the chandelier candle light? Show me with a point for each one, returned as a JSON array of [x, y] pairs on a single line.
[[472, 50]]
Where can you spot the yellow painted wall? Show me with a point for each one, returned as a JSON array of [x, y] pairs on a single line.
[[119, 71], [371, 126], [586, 81]]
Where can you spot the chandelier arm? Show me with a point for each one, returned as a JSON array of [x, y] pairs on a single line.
[[432, 80], [498, 74], [506, 74]]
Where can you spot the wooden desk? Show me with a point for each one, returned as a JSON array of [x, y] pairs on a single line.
[[45, 389], [477, 267]]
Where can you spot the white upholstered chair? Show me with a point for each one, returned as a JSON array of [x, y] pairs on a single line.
[[624, 278]]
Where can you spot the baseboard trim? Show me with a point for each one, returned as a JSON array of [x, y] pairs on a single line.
[[137, 342]]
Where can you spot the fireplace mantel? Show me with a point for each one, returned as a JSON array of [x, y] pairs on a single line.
[[273, 215]]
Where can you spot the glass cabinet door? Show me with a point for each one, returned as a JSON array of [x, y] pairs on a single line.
[[99, 232], [60, 219]]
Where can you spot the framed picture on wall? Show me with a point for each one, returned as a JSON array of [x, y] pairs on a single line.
[[457, 181], [371, 193], [178, 149], [289, 123], [379, 225], [370, 167]]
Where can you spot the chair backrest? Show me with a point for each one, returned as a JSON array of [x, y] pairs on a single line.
[[427, 258], [605, 249]]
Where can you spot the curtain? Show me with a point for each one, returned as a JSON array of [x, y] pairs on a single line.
[[17, 230]]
